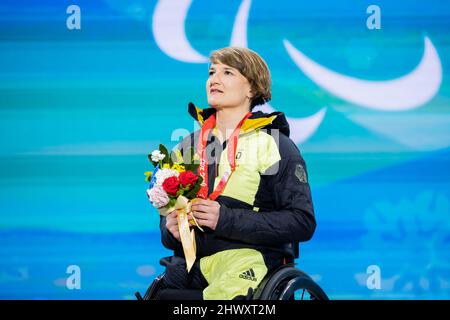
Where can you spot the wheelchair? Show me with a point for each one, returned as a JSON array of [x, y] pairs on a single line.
[[284, 283]]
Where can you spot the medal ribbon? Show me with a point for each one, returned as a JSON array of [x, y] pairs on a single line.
[[208, 125]]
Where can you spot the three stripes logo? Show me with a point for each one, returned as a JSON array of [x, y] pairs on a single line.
[[248, 275]]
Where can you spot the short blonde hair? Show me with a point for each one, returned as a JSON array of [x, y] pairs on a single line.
[[251, 66]]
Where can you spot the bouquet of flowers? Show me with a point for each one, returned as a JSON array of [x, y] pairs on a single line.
[[173, 186]]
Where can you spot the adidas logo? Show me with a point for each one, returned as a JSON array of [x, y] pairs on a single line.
[[248, 275]]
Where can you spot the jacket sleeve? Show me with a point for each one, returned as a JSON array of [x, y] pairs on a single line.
[[292, 220], [167, 239]]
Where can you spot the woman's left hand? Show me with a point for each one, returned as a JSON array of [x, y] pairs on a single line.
[[206, 212]]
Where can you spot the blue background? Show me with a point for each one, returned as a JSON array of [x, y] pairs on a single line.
[[81, 109]]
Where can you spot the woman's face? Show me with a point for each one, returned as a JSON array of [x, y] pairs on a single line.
[[227, 87]]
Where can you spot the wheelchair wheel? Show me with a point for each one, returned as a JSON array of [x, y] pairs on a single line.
[[153, 290], [289, 283]]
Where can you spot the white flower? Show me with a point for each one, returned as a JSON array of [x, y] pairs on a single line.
[[163, 174], [157, 156]]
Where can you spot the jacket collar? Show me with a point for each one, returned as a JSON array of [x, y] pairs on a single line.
[[258, 119]]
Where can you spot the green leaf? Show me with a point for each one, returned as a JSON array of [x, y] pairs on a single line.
[[172, 202], [173, 155], [148, 176], [179, 192], [179, 156], [191, 194], [191, 152], [164, 151]]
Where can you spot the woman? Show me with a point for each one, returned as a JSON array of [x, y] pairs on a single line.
[[256, 193]]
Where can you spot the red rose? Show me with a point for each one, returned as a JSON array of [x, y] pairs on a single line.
[[171, 185], [188, 178]]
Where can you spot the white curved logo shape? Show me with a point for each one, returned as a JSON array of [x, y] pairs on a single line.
[[173, 41], [404, 93], [303, 127], [168, 25], [239, 35]]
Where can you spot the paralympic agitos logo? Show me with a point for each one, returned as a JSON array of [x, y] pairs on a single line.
[[407, 92]]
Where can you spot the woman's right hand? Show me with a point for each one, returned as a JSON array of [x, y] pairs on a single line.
[[172, 224]]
